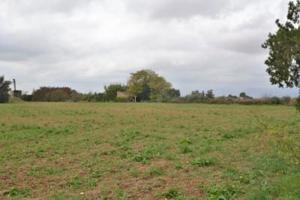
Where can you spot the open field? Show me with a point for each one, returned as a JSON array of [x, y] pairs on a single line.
[[148, 151]]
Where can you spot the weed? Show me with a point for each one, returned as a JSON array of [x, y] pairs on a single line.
[[147, 154], [221, 193], [173, 194], [204, 162], [154, 171], [120, 195]]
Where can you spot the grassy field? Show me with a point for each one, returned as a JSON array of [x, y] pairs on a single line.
[[148, 151]]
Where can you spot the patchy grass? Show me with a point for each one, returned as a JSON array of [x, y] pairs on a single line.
[[148, 151]]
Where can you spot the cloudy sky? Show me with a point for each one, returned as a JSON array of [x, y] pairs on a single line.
[[85, 44]]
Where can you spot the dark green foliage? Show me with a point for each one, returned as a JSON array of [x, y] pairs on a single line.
[[4, 90], [284, 50]]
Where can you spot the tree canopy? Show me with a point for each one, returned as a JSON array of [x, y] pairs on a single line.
[[284, 50], [147, 85], [4, 90]]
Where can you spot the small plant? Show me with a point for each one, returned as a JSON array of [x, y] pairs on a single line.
[[184, 145], [178, 166], [14, 192], [173, 194], [120, 195], [221, 193], [184, 148], [76, 182], [147, 154], [204, 162]]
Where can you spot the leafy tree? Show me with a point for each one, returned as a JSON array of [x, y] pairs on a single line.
[[4, 90], [112, 90], [146, 85], [284, 50]]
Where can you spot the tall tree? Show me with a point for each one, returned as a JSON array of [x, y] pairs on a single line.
[[146, 85], [4, 90], [284, 50]]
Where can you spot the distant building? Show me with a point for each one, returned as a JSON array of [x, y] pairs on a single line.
[[123, 95]]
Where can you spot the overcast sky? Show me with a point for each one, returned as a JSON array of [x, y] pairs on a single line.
[[85, 44]]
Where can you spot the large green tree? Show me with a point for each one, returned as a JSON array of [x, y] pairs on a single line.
[[284, 50], [4, 90], [147, 85]]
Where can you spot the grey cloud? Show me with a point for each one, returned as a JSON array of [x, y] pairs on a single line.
[[86, 44], [40, 6], [178, 8]]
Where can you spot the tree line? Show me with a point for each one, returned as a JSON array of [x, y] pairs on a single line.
[[142, 86], [283, 66]]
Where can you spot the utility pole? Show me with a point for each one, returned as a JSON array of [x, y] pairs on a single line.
[[15, 86], [16, 93]]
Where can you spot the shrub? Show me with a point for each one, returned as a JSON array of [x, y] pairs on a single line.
[[55, 94]]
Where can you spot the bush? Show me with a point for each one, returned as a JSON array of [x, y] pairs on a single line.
[[26, 97], [55, 94]]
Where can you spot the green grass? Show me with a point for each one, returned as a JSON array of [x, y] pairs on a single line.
[[148, 151]]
